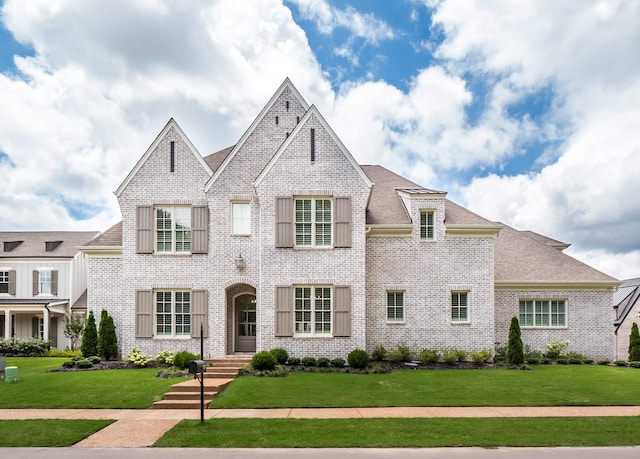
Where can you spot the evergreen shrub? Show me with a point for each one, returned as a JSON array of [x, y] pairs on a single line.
[[358, 358], [263, 361]]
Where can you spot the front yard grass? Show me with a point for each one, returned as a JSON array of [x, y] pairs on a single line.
[[399, 433], [545, 385], [38, 388], [31, 433]]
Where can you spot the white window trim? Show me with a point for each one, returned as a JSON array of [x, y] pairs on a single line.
[[545, 327], [404, 307], [173, 334], [313, 222], [427, 239], [5, 270], [313, 333], [40, 293], [460, 322], [231, 217], [173, 250]]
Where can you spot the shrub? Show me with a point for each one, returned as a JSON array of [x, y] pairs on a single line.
[[634, 344], [545, 361], [481, 356], [309, 362], [68, 364], [61, 353], [404, 353], [182, 359], [107, 339], [556, 349], [23, 347], [394, 356], [280, 354], [84, 363], [358, 358], [94, 359], [165, 357], [427, 356], [379, 353], [338, 363], [293, 361], [449, 356], [461, 355], [89, 344], [562, 361], [323, 362], [634, 364], [531, 353], [137, 358], [515, 354], [533, 361], [575, 361], [603, 362], [73, 327], [620, 363], [263, 361]]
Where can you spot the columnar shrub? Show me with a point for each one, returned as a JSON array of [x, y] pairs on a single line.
[[107, 339], [515, 355], [89, 345], [634, 344], [358, 358], [263, 361]]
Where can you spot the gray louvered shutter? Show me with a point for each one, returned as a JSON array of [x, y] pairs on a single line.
[[144, 229], [144, 313], [342, 221], [36, 283], [284, 222], [200, 229], [54, 282], [35, 327], [12, 282], [199, 307], [284, 311], [342, 311]]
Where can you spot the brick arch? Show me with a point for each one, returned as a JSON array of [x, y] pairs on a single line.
[[233, 291]]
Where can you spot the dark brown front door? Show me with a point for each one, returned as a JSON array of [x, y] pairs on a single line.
[[245, 328]]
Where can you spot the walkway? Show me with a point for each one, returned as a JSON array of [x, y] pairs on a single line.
[[140, 428]]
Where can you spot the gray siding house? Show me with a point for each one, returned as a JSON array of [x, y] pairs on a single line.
[[283, 240]]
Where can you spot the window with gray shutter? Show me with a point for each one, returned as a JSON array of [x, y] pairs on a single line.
[[284, 307], [12, 283], [200, 229], [284, 222], [199, 307], [144, 313], [342, 311], [144, 229], [54, 282], [342, 222]]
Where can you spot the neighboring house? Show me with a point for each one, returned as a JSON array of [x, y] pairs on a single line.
[[43, 276], [283, 240], [626, 307]]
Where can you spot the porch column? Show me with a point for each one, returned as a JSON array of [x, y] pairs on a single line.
[[7, 323], [45, 324]]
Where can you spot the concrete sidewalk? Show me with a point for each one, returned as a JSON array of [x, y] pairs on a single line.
[[140, 428]]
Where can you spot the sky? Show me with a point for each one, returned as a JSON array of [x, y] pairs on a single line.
[[525, 112]]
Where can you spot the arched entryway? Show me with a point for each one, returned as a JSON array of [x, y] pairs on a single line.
[[241, 319]]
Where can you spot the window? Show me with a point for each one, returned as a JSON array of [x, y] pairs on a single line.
[[173, 313], [395, 306], [426, 225], [173, 229], [313, 222], [240, 218], [44, 282], [459, 306], [4, 281], [312, 310], [543, 313]]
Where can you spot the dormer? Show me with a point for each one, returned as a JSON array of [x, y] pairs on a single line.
[[50, 246], [11, 245]]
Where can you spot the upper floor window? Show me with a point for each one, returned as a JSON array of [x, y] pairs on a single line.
[[426, 225], [173, 313], [240, 218], [4, 281], [173, 229], [459, 306], [312, 309], [543, 313], [44, 283], [313, 222], [395, 306]]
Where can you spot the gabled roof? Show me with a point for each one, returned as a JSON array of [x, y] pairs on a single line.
[[215, 160], [625, 298], [171, 124], [34, 244], [547, 240], [312, 111], [111, 237], [234, 150]]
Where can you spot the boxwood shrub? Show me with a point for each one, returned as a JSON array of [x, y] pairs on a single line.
[[358, 358], [280, 354], [263, 361]]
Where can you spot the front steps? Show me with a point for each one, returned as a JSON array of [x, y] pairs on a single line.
[[186, 395]]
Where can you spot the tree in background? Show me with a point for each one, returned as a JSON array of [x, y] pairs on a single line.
[[515, 354], [107, 339], [73, 327], [89, 345], [634, 344]]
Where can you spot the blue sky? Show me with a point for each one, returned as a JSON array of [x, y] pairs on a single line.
[[525, 112]]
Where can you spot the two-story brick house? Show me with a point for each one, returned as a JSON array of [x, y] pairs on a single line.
[[43, 276], [283, 240]]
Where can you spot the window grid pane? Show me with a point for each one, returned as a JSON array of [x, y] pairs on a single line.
[[173, 229], [163, 313], [395, 306], [45, 282], [426, 225], [459, 307], [543, 313], [241, 218], [4, 282], [312, 310], [313, 222]]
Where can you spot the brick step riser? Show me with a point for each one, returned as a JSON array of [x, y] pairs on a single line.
[[220, 375], [237, 363], [180, 406], [191, 396], [196, 389]]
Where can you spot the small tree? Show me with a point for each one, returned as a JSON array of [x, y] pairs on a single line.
[[107, 339], [89, 345], [73, 326], [634, 344], [515, 354]]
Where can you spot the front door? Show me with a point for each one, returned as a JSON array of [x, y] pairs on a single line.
[[245, 315]]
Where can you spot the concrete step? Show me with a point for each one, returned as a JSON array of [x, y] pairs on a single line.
[[180, 404], [192, 396], [193, 385]]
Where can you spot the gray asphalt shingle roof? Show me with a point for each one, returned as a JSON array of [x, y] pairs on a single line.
[[43, 244]]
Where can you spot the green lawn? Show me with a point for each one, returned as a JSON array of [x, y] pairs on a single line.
[[38, 388], [545, 385], [397, 433], [29, 433]]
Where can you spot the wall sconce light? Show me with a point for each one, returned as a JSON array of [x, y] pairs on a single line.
[[240, 262]]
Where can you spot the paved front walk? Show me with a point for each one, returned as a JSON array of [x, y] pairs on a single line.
[[139, 428]]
